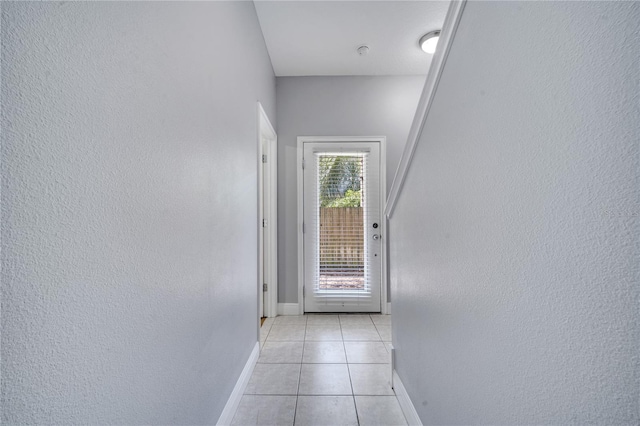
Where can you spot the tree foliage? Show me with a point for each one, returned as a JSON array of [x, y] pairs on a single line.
[[351, 199], [340, 181]]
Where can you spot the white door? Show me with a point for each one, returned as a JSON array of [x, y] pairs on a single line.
[[263, 236], [267, 214], [342, 226]]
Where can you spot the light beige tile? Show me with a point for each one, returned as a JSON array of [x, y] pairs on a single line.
[[379, 319], [360, 332], [274, 379], [264, 331], [326, 411], [371, 379], [323, 352], [259, 410], [323, 332], [367, 353], [328, 319], [385, 332], [324, 379], [288, 333], [355, 319], [281, 352], [268, 322], [290, 320], [389, 346], [379, 411]]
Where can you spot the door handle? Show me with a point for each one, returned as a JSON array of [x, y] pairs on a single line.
[[377, 236]]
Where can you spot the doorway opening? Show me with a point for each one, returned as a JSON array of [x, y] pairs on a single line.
[[267, 217]]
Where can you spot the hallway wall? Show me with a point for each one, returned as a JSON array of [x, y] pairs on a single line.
[[515, 252], [333, 106], [129, 208]]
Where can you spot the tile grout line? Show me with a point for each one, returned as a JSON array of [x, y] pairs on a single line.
[[377, 330], [295, 410], [267, 336], [353, 396]]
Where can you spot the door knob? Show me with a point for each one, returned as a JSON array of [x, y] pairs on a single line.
[[376, 236]]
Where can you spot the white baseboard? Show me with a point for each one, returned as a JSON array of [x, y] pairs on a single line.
[[236, 395], [406, 405], [294, 309], [288, 309]]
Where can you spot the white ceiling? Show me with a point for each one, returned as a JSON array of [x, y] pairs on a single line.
[[322, 37]]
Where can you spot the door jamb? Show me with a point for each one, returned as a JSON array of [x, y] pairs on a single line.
[[267, 133], [383, 196]]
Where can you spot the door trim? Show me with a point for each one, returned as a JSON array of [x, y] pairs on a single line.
[[267, 133], [383, 196]]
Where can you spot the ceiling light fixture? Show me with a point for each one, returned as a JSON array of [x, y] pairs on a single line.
[[429, 41]]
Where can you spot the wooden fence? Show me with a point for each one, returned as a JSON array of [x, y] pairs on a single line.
[[341, 239]]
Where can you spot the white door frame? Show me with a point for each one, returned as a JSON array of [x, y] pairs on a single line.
[[383, 196], [267, 194]]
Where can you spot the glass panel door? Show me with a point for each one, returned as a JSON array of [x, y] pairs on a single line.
[[341, 219]]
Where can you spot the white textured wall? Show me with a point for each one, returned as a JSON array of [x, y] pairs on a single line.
[[516, 240], [333, 106], [129, 209]]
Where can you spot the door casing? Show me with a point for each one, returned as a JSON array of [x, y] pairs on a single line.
[[383, 196]]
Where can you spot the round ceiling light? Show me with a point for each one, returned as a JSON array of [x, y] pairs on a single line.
[[429, 41]]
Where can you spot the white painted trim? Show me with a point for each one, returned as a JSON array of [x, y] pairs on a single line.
[[288, 309], [383, 192], [447, 35], [300, 175], [268, 134], [384, 285], [388, 308], [260, 234], [409, 411], [236, 395]]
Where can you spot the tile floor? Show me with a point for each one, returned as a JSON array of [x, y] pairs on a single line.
[[324, 369]]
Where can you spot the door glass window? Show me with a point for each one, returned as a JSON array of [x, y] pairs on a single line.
[[341, 263]]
